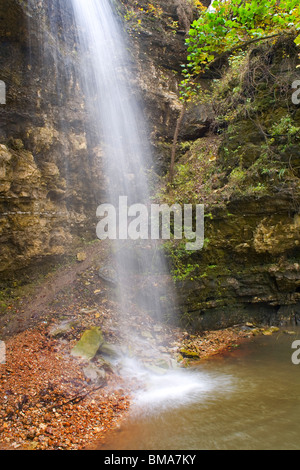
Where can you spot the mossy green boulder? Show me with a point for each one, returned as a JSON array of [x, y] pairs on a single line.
[[88, 345]]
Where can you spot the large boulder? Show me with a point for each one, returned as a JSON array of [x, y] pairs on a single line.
[[89, 344]]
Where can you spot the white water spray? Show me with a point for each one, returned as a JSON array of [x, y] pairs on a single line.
[[119, 128]]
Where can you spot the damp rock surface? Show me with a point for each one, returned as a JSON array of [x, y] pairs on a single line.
[[89, 344]]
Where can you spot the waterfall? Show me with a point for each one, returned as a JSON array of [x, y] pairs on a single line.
[[116, 130], [116, 116], [118, 127]]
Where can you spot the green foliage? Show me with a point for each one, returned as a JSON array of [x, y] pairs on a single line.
[[237, 176], [195, 175], [231, 26], [182, 266], [285, 127], [143, 15]]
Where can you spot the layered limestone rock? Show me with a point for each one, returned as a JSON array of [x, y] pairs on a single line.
[[50, 172], [249, 267], [247, 175]]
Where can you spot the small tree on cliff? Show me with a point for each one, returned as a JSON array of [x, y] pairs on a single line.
[[225, 30], [231, 26]]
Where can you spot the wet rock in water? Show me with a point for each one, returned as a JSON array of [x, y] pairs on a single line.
[[164, 364], [189, 354], [95, 375], [165, 361], [270, 331], [104, 364], [265, 331], [161, 365], [89, 344], [174, 364], [62, 328], [257, 331], [155, 369], [110, 350]]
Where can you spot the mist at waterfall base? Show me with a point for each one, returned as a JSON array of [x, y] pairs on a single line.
[[119, 127], [249, 401]]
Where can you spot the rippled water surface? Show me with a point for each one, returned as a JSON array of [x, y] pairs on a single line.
[[247, 400]]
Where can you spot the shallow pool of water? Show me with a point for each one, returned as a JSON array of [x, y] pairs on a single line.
[[247, 400]]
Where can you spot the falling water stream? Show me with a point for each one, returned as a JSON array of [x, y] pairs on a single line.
[[120, 130]]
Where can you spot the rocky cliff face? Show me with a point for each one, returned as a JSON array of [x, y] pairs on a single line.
[[50, 170], [246, 172], [157, 32], [49, 180]]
